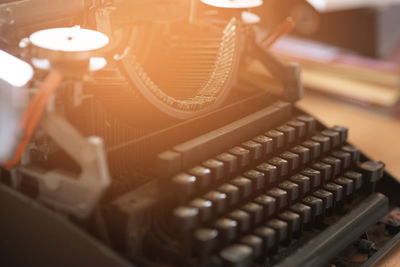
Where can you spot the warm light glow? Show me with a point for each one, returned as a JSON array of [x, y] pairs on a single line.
[[332, 5], [14, 71]]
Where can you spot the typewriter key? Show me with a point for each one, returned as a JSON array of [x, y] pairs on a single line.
[[310, 123], [324, 141], [267, 144], [324, 169], [343, 131], [268, 236], [232, 192], [255, 242], [237, 256], [333, 136], [278, 137], [303, 152], [256, 150], [314, 147], [268, 203], [314, 175], [270, 172], [304, 183], [292, 158], [242, 218], [281, 197]]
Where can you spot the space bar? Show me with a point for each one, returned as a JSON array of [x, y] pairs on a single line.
[[321, 249]]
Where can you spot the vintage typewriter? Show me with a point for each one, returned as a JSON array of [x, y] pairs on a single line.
[[143, 137]]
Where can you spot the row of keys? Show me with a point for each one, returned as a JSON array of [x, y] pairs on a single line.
[[266, 204], [252, 151], [273, 217], [242, 236], [199, 178]]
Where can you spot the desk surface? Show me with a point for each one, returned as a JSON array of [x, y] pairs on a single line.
[[377, 135]]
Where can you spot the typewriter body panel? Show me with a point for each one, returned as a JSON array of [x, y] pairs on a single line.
[[162, 147]]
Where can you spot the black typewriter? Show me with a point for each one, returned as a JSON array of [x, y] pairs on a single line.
[[137, 133]]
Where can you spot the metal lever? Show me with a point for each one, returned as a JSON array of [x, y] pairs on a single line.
[[288, 74]]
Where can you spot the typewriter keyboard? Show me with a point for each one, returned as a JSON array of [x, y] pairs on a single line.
[[256, 200]]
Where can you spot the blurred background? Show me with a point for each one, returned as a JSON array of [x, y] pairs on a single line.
[[350, 56]]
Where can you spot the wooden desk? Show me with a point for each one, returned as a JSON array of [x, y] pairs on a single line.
[[375, 134]]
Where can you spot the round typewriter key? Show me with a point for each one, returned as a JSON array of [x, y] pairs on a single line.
[[203, 176], [372, 171], [232, 192], [281, 197], [315, 148], [268, 203], [278, 137], [335, 163], [292, 189], [205, 208], [257, 178], [245, 186], [304, 183], [266, 142], [256, 212], [324, 141], [255, 242], [316, 205], [185, 218], [327, 197], [344, 157], [333, 136], [314, 175], [324, 169], [348, 187], [343, 132], [304, 211], [356, 177], [292, 158], [256, 150], [336, 190], [237, 256], [303, 152], [242, 154], [185, 185], [310, 123], [281, 164], [268, 236], [217, 169], [219, 201], [280, 227], [242, 218], [300, 128], [227, 230], [270, 172], [230, 162], [289, 132], [206, 240], [354, 152], [293, 220]]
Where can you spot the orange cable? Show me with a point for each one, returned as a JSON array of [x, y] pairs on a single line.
[[33, 113]]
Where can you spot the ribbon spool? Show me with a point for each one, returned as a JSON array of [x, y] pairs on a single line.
[[68, 49], [243, 4]]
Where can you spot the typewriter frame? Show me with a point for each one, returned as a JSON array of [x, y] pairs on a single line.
[[52, 239]]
